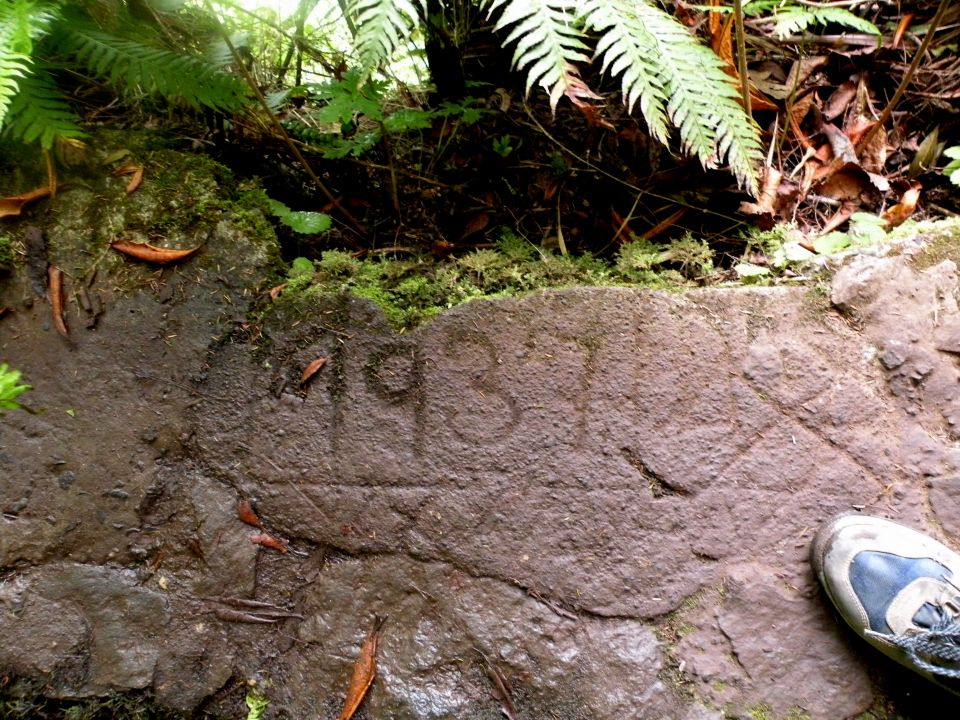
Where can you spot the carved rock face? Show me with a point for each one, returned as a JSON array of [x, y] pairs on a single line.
[[605, 494]]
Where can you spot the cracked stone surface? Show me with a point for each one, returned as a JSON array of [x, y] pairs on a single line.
[[604, 495]]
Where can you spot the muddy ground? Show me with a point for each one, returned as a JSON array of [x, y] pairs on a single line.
[[603, 497]]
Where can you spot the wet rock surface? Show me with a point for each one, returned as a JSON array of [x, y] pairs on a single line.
[[604, 497]]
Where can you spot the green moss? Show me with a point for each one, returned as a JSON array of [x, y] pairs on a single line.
[[942, 241], [21, 701], [760, 712], [412, 290], [6, 253]]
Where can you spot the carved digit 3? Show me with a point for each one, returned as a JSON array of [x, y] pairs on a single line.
[[485, 413]]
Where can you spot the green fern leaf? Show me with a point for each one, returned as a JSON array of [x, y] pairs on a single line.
[[674, 77], [627, 48], [13, 65], [21, 22], [548, 45], [133, 65], [797, 18], [382, 26], [39, 111]]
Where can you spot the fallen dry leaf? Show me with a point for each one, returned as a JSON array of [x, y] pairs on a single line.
[[312, 369], [136, 180], [664, 225], [847, 209], [364, 671], [246, 514], [908, 204], [13, 205], [764, 208], [55, 291], [128, 169], [276, 291], [270, 541], [502, 690], [151, 253], [901, 29], [839, 100], [476, 224]]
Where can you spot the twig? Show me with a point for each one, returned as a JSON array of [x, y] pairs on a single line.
[[742, 55]]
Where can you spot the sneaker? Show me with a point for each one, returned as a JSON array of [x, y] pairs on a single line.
[[897, 588]]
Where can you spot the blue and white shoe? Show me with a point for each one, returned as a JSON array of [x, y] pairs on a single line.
[[897, 588]]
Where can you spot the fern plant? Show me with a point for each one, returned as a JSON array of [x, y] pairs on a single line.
[[676, 81], [41, 41], [792, 18]]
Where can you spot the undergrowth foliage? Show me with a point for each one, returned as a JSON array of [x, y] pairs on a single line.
[[675, 81], [663, 67], [42, 42]]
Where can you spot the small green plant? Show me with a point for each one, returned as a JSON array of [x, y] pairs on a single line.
[[300, 274], [952, 170], [353, 116], [503, 146], [10, 388], [256, 704], [301, 221]]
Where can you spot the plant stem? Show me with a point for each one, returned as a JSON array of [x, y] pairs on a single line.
[[907, 77]]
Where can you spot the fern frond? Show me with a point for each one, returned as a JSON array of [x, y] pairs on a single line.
[[39, 111], [21, 22], [548, 44], [383, 25], [797, 18], [672, 75], [132, 65], [13, 65]]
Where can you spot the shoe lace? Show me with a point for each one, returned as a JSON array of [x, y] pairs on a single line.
[[936, 648], [932, 649]]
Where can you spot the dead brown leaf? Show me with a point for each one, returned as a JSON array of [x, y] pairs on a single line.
[[904, 209], [277, 290], [13, 205], [128, 169], [839, 218], [364, 671], [764, 206], [476, 224], [840, 100], [246, 514], [55, 291], [847, 183], [502, 690], [902, 29], [136, 180], [151, 253], [312, 369], [664, 225], [270, 541]]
